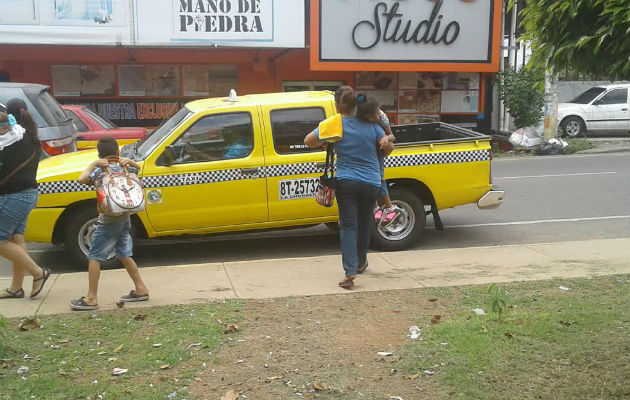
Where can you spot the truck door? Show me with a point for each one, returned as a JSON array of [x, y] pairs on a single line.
[[612, 110], [292, 168], [212, 175]]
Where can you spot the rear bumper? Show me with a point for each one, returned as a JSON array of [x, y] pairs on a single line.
[[490, 200]]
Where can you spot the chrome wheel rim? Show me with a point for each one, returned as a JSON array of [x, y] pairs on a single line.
[[573, 128], [403, 226], [85, 237]]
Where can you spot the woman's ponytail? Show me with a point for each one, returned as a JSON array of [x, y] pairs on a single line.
[[348, 102], [19, 110]]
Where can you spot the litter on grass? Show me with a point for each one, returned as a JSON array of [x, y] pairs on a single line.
[[414, 332]]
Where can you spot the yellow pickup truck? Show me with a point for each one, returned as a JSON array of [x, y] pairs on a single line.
[[240, 164]]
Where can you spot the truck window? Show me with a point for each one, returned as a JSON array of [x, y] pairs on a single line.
[[289, 127], [77, 121], [216, 137]]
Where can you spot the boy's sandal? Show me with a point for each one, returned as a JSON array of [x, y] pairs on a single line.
[[362, 269], [18, 294], [347, 283], [378, 214], [81, 305], [389, 217], [44, 277], [133, 296]]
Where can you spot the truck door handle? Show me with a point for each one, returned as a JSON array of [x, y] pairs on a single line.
[[249, 171], [624, 109], [320, 165]]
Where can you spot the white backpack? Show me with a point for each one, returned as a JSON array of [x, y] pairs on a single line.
[[119, 193]]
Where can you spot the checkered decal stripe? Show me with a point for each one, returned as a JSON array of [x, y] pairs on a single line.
[[271, 171], [199, 178], [293, 169], [63, 187], [437, 158]]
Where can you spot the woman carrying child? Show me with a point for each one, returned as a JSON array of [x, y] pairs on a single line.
[[358, 181]]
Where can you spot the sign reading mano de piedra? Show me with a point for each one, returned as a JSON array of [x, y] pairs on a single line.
[[223, 20]]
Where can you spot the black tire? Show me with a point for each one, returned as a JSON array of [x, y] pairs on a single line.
[[74, 230], [573, 127], [407, 231], [333, 226]]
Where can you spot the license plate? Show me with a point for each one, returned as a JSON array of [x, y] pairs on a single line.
[[291, 189]]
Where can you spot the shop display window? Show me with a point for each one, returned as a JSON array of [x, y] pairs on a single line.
[[149, 80], [301, 86], [289, 127], [209, 80], [83, 80], [415, 97]]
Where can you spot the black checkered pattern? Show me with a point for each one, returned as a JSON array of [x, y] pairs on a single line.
[[199, 178], [293, 169], [272, 171], [63, 187], [437, 158]]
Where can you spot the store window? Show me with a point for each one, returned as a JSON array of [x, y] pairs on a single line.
[[209, 80], [149, 80], [415, 97], [83, 80], [216, 137], [289, 127], [301, 86]]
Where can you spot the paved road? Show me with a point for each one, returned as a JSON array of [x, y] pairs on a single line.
[[548, 199]]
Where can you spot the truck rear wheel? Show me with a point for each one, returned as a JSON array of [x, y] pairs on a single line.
[[78, 236], [406, 231]]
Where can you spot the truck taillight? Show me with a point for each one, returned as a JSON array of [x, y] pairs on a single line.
[[58, 146]]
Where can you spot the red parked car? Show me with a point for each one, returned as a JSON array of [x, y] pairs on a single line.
[[92, 127]]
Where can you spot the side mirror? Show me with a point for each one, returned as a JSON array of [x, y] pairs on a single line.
[[169, 155], [597, 102]]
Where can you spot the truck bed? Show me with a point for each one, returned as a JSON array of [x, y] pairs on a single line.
[[433, 132]]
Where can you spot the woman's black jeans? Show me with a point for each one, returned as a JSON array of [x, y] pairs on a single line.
[[356, 203]]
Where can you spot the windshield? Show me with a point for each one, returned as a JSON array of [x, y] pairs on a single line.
[[104, 123], [146, 145], [588, 96]]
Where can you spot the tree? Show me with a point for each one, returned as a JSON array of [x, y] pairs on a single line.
[[521, 92], [585, 36]]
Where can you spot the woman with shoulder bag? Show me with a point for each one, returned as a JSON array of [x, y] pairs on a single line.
[[19, 159], [358, 181]]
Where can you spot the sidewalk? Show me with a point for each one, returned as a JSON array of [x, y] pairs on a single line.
[[319, 275], [607, 145]]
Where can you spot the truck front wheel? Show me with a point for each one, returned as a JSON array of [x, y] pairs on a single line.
[[78, 235], [406, 230]]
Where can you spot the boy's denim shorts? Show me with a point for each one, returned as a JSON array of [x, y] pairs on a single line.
[[114, 235], [14, 211]]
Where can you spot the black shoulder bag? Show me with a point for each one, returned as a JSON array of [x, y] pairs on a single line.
[[325, 195]]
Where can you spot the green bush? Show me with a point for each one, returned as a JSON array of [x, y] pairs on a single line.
[[521, 91]]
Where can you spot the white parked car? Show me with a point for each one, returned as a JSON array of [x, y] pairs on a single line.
[[599, 109]]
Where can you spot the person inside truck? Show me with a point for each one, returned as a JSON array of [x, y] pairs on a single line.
[[358, 181]]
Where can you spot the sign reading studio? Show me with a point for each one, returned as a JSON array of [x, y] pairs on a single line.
[[223, 19], [405, 32]]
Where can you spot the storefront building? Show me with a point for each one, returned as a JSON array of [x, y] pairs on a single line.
[[136, 62]]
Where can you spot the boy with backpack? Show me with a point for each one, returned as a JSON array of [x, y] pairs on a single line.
[[113, 230]]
